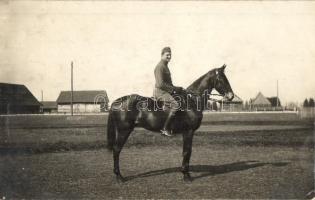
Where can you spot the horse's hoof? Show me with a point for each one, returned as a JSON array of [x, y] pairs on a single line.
[[120, 179], [188, 178]]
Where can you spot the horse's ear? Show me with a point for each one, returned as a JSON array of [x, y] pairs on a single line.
[[223, 67]]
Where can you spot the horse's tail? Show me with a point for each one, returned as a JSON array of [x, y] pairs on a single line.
[[111, 135]]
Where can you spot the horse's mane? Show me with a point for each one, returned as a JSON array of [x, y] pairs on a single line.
[[197, 82]]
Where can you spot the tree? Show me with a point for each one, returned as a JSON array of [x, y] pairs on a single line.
[[311, 102], [305, 104]]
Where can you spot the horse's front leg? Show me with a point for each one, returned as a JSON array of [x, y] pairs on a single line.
[[187, 147]]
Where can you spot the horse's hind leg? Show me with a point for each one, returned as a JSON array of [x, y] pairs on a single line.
[[122, 136]]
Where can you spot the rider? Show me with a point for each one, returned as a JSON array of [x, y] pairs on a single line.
[[164, 88]]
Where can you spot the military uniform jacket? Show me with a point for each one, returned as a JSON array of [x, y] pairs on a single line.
[[163, 80]]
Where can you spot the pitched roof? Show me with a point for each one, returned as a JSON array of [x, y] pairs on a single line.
[[85, 96], [49, 104], [273, 101], [260, 100], [235, 100], [15, 94]]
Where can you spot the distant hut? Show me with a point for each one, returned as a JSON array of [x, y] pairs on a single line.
[[17, 99], [260, 102], [49, 107], [234, 106], [275, 101], [88, 101], [212, 106]]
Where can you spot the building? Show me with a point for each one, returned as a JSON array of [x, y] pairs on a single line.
[[275, 101], [262, 103], [89, 101], [234, 106], [17, 99], [212, 105], [49, 107]]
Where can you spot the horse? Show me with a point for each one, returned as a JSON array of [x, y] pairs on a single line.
[[129, 112]]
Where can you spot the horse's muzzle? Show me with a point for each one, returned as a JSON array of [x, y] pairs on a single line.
[[229, 96]]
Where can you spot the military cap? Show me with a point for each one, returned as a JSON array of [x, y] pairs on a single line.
[[166, 49]]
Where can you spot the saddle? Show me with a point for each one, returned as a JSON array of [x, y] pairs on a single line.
[[153, 104]]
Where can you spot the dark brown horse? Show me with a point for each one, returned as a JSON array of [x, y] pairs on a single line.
[[134, 110]]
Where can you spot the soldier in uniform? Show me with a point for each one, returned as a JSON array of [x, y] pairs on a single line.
[[164, 88]]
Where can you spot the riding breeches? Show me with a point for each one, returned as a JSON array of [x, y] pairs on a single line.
[[167, 98]]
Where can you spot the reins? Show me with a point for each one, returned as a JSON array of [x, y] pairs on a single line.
[[215, 100], [209, 98], [193, 93]]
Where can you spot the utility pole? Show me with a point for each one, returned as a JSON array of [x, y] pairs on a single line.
[[42, 107], [277, 94], [71, 88]]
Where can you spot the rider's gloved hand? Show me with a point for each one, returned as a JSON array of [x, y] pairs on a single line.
[[178, 90]]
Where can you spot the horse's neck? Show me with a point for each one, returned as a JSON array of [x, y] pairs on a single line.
[[200, 90], [202, 84]]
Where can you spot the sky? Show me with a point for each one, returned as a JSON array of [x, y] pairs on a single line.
[[115, 46]]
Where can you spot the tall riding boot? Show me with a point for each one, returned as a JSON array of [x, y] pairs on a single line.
[[166, 129]]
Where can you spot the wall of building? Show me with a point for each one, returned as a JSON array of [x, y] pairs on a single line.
[[79, 108], [49, 110], [19, 109], [232, 107], [264, 108]]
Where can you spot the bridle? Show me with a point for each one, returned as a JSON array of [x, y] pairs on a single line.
[[209, 96], [214, 86], [192, 93]]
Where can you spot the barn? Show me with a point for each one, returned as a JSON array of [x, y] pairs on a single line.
[[235, 105], [260, 102], [17, 99], [275, 101], [86, 101], [49, 107]]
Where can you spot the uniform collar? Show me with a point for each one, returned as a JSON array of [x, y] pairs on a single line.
[[164, 62]]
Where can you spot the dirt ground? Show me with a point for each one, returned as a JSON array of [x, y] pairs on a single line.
[[231, 166], [252, 156]]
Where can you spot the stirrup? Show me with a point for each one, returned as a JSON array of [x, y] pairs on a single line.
[[166, 133]]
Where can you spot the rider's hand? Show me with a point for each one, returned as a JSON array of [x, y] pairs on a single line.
[[178, 89]]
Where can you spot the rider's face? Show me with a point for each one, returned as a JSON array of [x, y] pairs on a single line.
[[167, 56]]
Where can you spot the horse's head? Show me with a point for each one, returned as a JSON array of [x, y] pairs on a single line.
[[221, 83]]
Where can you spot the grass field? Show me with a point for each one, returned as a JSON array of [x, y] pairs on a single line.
[[59, 121], [233, 156], [42, 133]]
